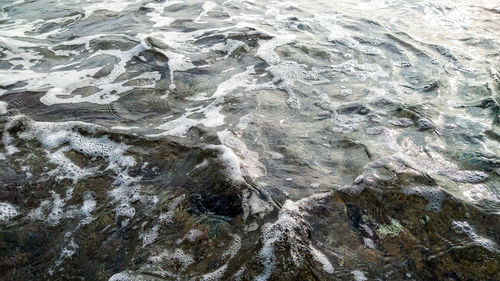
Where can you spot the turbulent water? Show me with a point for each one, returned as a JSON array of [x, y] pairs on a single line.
[[249, 140]]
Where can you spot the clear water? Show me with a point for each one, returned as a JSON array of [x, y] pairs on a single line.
[[249, 140]]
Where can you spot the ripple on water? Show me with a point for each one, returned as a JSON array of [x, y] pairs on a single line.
[[217, 140]]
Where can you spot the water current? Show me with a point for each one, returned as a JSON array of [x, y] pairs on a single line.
[[249, 140]]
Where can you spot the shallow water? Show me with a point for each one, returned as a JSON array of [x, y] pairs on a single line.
[[249, 140]]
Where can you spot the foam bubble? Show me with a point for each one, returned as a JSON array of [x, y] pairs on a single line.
[[362, 71], [375, 130], [249, 159], [289, 227], [109, 90], [50, 211], [233, 248], [123, 276], [156, 15], [288, 74], [213, 117], [465, 227], [60, 137], [266, 49], [166, 218], [7, 212], [3, 108], [321, 258], [479, 192], [206, 7], [128, 276], [178, 255], [124, 128], [369, 243], [191, 236], [215, 275], [359, 275], [286, 224], [465, 176], [231, 162], [109, 5], [67, 252], [60, 84], [228, 48], [432, 194], [149, 237], [54, 211]]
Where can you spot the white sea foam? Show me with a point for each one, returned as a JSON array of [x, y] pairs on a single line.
[[289, 228], [228, 47], [124, 128], [67, 252], [109, 90], [7, 212], [206, 8], [289, 219], [178, 255], [249, 159], [157, 15], [321, 258], [164, 219], [191, 236], [213, 117], [432, 194], [3, 108], [60, 84], [359, 275], [232, 162], [478, 192], [266, 49], [215, 275], [233, 247], [124, 276], [59, 138], [109, 5], [466, 228], [361, 71], [54, 211], [464, 176]]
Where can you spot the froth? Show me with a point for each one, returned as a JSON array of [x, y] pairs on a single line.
[[465, 227], [432, 194], [164, 219], [321, 258], [177, 255], [7, 211], [359, 275], [3, 108], [213, 117], [215, 275], [289, 228], [59, 138]]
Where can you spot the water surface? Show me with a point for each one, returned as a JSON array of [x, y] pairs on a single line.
[[249, 140]]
